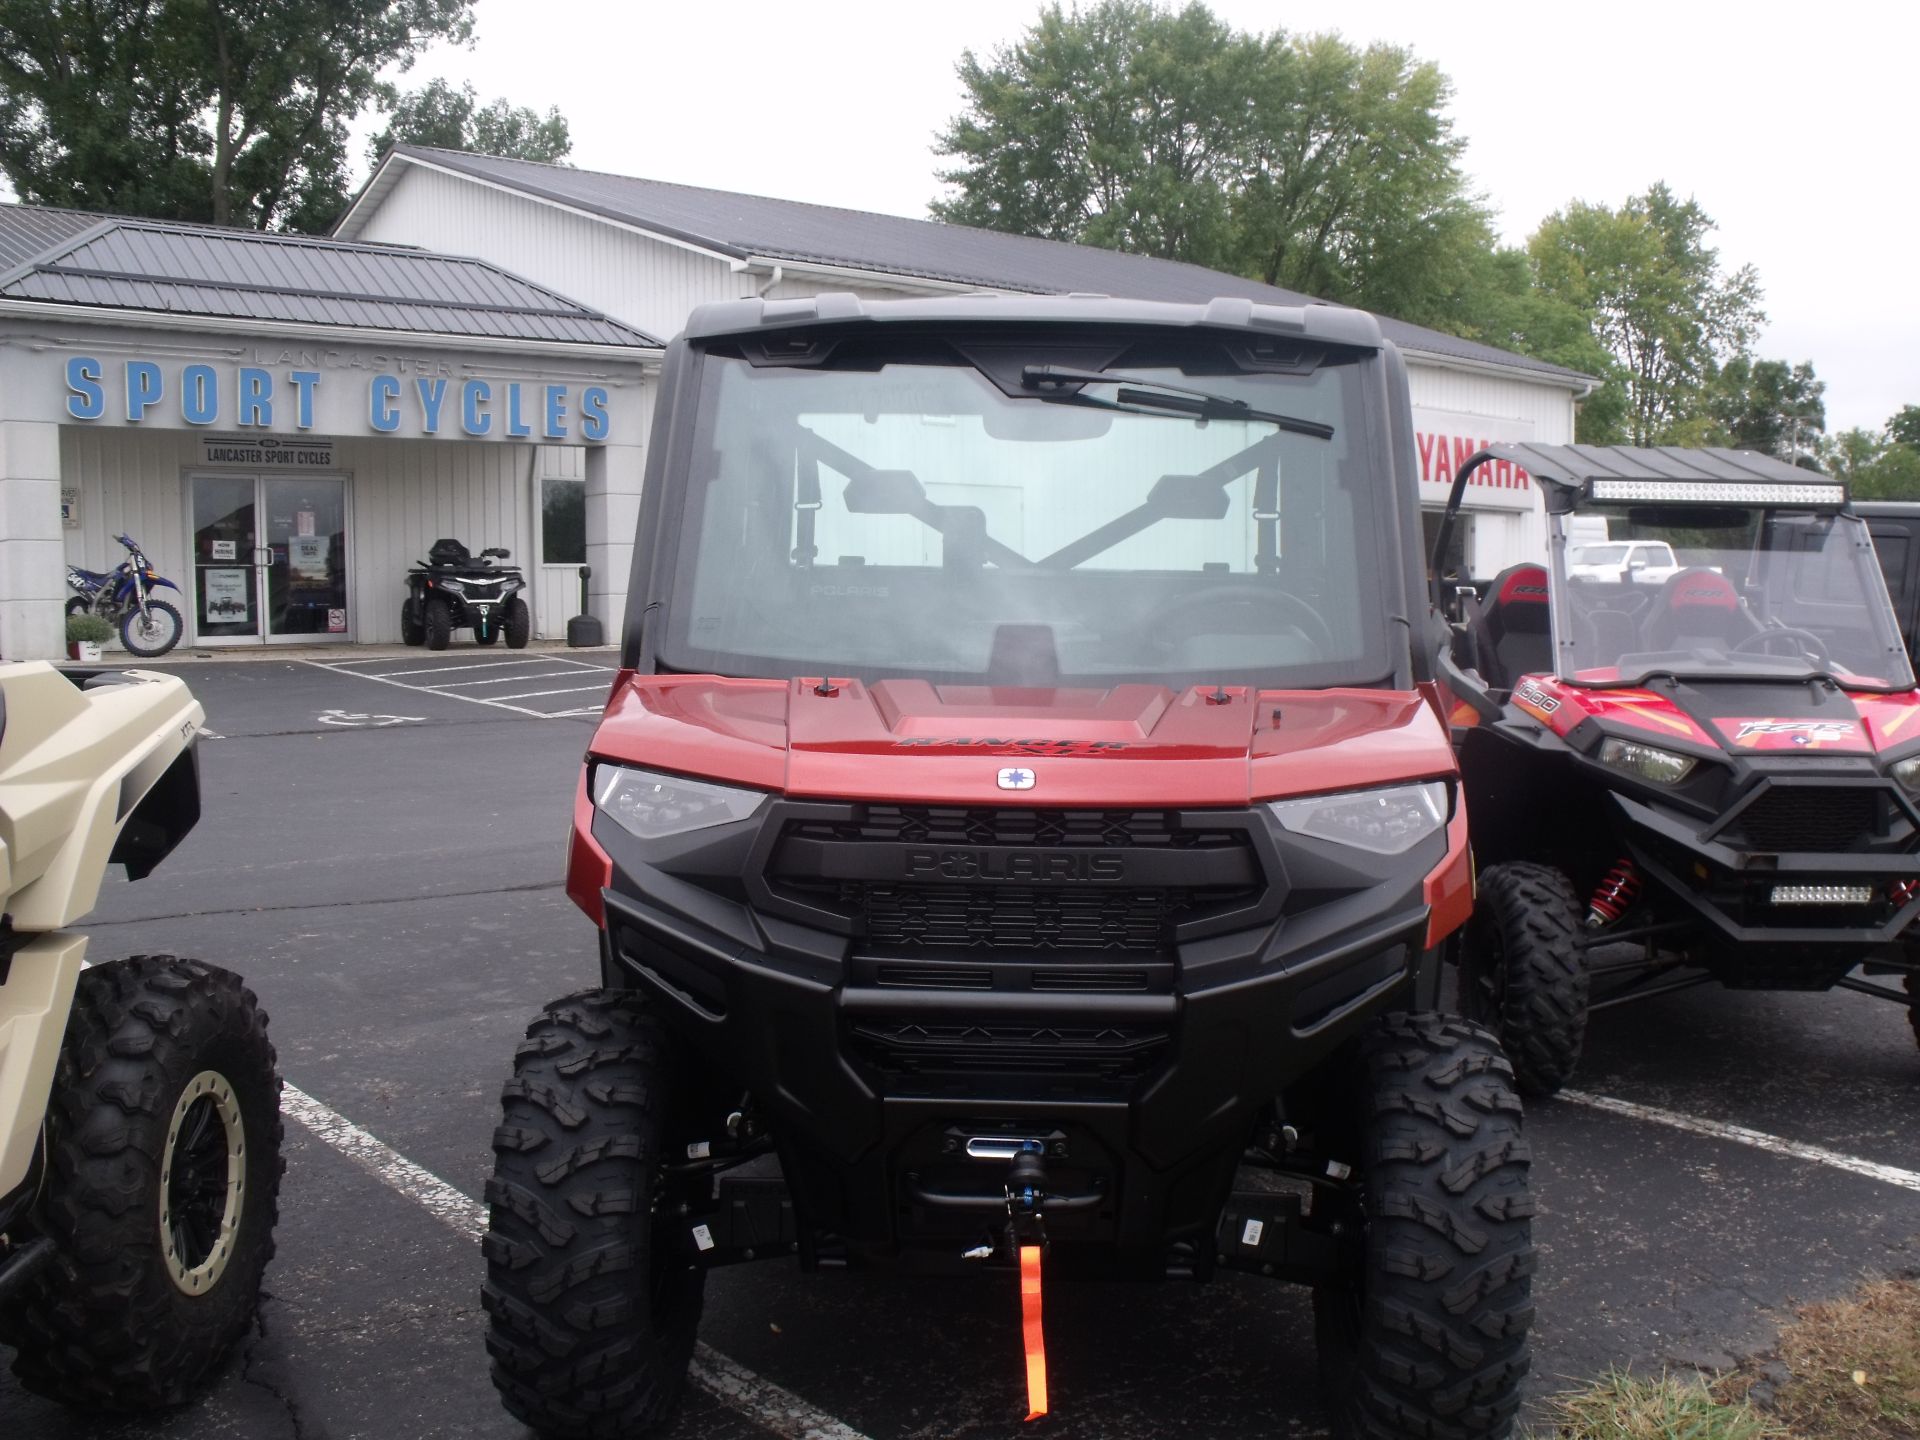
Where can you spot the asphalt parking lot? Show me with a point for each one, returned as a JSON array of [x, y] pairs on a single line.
[[380, 855]]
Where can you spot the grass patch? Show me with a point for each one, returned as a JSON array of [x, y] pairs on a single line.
[[1843, 1370], [1626, 1407], [1854, 1367]]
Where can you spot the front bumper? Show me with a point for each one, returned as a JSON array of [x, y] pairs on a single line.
[[1143, 1070]]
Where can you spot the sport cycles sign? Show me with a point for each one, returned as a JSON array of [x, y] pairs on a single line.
[[398, 399]]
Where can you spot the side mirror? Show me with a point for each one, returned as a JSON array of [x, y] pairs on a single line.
[[1638, 562]]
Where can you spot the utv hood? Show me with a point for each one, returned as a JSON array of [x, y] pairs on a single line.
[[913, 742]]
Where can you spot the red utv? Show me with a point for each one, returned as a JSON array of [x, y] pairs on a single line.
[[1019, 818], [1700, 771]]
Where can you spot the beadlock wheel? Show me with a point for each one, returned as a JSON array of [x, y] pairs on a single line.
[[202, 1182]]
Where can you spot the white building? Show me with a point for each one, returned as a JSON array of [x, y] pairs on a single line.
[[285, 424]]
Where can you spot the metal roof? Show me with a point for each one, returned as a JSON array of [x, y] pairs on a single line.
[[211, 271], [742, 226], [30, 230], [1577, 464]]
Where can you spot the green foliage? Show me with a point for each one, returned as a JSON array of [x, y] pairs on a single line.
[[1877, 465], [233, 111], [1771, 407], [88, 629], [1624, 1407], [1658, 304], [1301, 161], [438, 114], [1904, 428]]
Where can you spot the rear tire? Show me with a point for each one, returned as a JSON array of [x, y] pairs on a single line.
[[1526, 973], [438, 623], [162, 1184], [154, 634], [412, 630], [1431, 1342], [519, 624], [592, 1293]]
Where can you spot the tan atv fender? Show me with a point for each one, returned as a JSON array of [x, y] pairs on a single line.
[[73, 766]]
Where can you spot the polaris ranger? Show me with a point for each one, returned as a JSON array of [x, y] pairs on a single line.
[[1713, 778], [1018, 814]]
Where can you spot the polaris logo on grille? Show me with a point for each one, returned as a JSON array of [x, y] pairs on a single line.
[[1030, 866]]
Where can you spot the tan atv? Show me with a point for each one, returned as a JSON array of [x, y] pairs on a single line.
[[139, 1103]]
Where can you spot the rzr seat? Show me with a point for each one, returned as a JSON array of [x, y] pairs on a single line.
[[1509, 634], [1696, 609]]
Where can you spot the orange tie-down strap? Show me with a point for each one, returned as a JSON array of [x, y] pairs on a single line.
[[1036, 1338]]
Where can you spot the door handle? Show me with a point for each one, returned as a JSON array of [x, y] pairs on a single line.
[[263, 555]]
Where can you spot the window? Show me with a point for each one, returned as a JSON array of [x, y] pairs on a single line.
[[563, 521]]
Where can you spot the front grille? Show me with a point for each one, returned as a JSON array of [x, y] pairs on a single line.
[[1060, 911], [1810, 819], [1093, 1051], [1049, 829]]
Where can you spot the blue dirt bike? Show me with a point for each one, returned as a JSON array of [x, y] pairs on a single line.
[[123, 597]]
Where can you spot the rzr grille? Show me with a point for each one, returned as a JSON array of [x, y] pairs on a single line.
[[1810, 818]]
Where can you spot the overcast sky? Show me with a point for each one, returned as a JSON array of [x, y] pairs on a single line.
[[1793, 128]]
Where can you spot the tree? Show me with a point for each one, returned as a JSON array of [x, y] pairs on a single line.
[[233, 111], [438, 114], [1658, 304], [1771, 407], [1301, 161], [1904, 428], [1876, 465]]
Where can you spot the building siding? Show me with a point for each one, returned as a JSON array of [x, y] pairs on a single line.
[[647, 283]]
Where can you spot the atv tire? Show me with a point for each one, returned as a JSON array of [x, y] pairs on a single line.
[[1526, 973], [437, 621], [412, 631], [1430, 1341], [161, 1191], [155, 633], [518, 624], [592, 1291]]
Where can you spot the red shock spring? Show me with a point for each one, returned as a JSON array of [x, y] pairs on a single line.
[[1613, 896]]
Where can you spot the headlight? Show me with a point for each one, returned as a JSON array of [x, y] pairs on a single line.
[[1907, 772], [1386, 822], [452, 585], [1646, 762], [653, 807]]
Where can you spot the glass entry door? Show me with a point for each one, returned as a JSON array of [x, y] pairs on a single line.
[[270, 559]]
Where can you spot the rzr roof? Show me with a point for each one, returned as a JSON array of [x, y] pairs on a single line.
[[1659, 467]]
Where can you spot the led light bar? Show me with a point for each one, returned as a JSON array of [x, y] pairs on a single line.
[[1822, 894], [1709, 492]]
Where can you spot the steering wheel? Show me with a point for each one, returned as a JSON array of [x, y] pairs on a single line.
[[1812, 644], [1290, 607]]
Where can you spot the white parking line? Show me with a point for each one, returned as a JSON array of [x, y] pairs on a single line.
[[496, 680], [451, 669], [499, 704], [760, 1400], [536, 694], [1741, 1135]]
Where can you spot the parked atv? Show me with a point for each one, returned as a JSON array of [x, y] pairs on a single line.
[[451, 590], [124, 598], [1019, 815], [139, 1104], [1712, 779]]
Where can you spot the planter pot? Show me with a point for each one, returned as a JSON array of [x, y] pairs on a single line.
[[84, 650]]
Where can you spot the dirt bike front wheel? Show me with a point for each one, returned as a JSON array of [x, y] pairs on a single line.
[[154, 633]]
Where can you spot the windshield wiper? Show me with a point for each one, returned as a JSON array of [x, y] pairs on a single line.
[[1140, 396]]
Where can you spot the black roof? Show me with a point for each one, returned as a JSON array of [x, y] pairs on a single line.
[[1577, 464], [216, 271], [740, 226], [1331, 324]]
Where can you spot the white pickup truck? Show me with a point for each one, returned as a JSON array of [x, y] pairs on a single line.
[[1642, 562]]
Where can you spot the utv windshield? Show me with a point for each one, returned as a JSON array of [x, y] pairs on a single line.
[[989, 513], [1720, 592]]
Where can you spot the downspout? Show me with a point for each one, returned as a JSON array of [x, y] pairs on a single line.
[[778, 273]]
